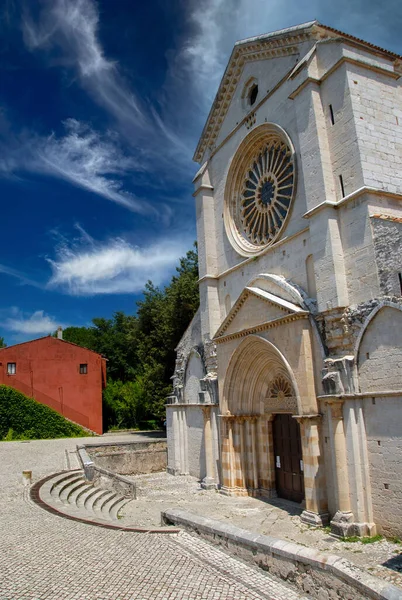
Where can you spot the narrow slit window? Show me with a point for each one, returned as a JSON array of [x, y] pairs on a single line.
[[400, 282], [83, 369], [11, 368], [342, 186], [331, 112]]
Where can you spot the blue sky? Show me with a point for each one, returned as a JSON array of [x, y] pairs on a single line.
[[101, 106]]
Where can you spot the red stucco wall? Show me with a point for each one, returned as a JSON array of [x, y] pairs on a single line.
[[48, 369]]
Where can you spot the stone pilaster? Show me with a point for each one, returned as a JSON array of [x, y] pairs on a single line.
[[208, 483], [342, 522], [316, 511]]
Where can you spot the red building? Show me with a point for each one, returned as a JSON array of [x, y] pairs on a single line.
[[61, 375]]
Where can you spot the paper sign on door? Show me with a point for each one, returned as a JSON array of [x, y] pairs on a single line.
[[278, 462]]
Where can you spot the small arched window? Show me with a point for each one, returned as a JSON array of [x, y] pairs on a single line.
[[252, 95]]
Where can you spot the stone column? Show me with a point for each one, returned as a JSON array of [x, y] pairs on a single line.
[[208, 483], [253, 435], [316, 511], [342, 522], [360, 484], [207, 253], [266, 461]]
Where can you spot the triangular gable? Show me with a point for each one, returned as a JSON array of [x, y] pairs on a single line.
[[255, 307], [285, 42]]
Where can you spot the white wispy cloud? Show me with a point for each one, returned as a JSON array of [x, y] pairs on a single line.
[[23, 279], [82, 156], [87, 160], [72, 25], [37, 323], [88, 268], [216, 25]]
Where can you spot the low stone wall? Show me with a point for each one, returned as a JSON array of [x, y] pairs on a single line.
[[321, 576], [104, 478], [130, 458]]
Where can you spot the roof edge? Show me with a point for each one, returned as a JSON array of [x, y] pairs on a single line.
[[45, 337]]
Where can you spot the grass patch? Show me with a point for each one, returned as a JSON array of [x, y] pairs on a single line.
[[362, 540]]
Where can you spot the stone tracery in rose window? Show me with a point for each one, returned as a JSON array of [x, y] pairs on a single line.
[[267, 192]]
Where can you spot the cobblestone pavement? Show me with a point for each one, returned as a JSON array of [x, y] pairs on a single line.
[[46, 557], [279, 518]]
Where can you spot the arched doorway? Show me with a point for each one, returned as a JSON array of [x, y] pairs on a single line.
[[261, 441]]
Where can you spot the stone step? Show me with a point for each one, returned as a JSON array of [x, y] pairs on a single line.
[[64, 489], [59, 480], [117, 506], [69, 494], [77, 490], [100, 506], [94, 497]]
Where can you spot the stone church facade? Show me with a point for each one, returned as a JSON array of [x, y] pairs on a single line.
[[288, 381]]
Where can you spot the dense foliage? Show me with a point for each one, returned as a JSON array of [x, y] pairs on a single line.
[[22, 418], [2, 342], [141, 348]]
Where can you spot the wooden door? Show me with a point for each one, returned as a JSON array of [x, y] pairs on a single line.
[[288, 458]]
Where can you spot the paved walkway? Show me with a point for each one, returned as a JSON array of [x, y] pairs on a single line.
[[278, 518], [45, 557]]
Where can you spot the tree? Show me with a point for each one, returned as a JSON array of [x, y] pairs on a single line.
[[82, 336], [2, 343], [140, 349]]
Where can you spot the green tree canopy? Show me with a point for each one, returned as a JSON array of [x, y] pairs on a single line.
[[140, 348]]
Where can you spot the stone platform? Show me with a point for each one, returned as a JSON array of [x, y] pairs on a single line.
[[278, 518]]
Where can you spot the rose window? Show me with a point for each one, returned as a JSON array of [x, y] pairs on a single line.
[[267, 193], [260, 188]]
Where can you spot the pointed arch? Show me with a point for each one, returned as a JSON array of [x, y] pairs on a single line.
[[252, 368]]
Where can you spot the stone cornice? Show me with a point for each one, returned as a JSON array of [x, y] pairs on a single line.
[[348, 60], [351, 196], [360, 395], [242, 299], [258, 328]]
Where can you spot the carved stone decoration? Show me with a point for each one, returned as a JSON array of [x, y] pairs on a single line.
[[338, 376], [260, 188], [280, 396], [267, 192], [210, 381], [210, 358]]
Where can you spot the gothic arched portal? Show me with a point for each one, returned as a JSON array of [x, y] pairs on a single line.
[[259, 385]]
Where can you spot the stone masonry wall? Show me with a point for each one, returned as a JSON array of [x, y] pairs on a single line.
[[387, 235], [380, 353], [384, 443]]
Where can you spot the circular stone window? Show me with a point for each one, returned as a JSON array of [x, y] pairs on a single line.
[[260, 189]]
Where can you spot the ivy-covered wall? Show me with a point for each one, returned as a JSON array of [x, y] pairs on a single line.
[[24, 418]]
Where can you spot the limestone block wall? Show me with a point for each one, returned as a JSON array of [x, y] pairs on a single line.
[[383, 419], [358, 250], [377, 110], [387, 236], [185, 440], [342, 135], [380, 353], [195, 443]]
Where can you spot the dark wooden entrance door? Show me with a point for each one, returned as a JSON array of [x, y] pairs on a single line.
[[288, 458]]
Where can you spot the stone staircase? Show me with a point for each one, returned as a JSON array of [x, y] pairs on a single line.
[[71, 495]]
